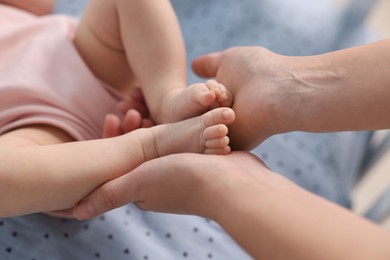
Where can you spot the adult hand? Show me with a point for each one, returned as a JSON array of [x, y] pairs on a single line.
[[180, 183], [337, 91], [262, 86], [242, 195]]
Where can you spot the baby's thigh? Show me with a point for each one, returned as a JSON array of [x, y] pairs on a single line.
[[38, 7], [107, 29], [99, 43]]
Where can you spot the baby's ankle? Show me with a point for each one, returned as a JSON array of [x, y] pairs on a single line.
[[148, 143], [166, 111]]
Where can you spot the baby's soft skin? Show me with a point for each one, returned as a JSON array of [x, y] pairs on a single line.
[[119, 52], [37, 7], [41, 173]]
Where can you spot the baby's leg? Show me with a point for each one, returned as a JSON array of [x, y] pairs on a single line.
[[38, 7], [120, 53], [203, 134], [37, 177], [183, 103], [99, 43]]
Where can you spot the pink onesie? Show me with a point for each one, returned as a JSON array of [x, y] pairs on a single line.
[[43, 80]]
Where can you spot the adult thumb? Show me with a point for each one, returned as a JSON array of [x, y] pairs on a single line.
[[111, 195], [207, 65]]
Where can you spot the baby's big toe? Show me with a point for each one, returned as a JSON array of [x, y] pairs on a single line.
[[223, 97], [202, 95], [217, 116]]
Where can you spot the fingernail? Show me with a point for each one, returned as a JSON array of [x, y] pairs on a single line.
[[84, 211]]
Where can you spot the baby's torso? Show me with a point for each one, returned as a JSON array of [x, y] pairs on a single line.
[[44, 80]]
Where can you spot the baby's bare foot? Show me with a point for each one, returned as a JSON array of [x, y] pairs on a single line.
[[196, 99], [203, 134]]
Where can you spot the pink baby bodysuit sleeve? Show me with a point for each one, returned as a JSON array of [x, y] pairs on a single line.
[[43, 80]]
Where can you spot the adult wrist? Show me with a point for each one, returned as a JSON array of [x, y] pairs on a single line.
[[233, 197], [310, 87]]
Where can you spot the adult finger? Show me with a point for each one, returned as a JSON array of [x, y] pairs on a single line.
[[66, 213], [154, 185], [112, 126], [111, 195], [207, 65], [131, 121]]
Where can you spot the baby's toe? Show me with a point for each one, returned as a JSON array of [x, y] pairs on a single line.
[[218, 116], [224, 98], [217, 143], [215, 131], [220, 151], [202, 95]]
